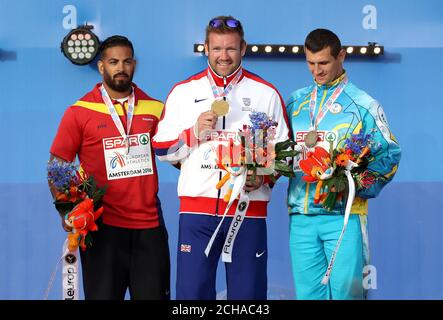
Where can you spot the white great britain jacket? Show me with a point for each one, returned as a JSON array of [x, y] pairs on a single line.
[[175, 140]]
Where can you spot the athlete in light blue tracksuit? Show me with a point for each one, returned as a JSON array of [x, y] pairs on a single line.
[[333, 108]]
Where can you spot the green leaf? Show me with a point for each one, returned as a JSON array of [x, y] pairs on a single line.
[[340, 183], [284, 169], [286, 154], [330, 201], [283, 145], [266, 171], [99, 193]]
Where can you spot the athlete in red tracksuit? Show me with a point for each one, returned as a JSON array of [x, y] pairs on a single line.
[[130, 249]]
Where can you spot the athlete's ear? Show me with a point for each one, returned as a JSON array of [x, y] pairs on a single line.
[[243, 48], [341, 55], [100, 66], [206, 48]]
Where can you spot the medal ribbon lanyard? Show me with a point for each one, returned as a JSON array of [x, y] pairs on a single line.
[[116, 118], [325, 108], [216, 92]]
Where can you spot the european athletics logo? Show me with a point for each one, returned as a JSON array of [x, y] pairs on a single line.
[[118, 159]]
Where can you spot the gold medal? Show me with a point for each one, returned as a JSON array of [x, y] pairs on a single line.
[[220, 107], [311, 138]]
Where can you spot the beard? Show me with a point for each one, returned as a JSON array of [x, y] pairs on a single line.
[[120, 85]]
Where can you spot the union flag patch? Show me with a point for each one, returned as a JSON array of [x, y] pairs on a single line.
[[185, 248]]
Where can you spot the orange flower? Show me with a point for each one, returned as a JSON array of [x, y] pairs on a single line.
[[363, 154], [60, 196], [342, 159]]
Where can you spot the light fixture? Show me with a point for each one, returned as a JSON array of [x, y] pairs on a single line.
[[374, 49], [80, 45], [288, 50]]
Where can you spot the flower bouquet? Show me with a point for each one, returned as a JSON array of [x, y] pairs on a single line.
[[254, 151], [328, 169], [257, 152], [261, 152], [77, 199]]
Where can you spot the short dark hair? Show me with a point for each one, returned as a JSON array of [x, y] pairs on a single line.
[[320, 39], [224, 28], [115, 41]]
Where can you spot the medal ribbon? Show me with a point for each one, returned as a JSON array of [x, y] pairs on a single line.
[[116, 118], [216, 91], [325, 108]]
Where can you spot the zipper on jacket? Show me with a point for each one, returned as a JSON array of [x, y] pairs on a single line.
[[220, 173]]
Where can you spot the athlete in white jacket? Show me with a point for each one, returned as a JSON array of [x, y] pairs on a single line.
[[186, 116]]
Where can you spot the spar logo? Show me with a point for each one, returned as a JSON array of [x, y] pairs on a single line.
[[144, 139], [119, 142], [117, 160], [301, 135], [220, 135]]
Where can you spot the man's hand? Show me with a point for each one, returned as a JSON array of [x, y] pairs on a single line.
[[206, 121], [65, 226], [251, 183]]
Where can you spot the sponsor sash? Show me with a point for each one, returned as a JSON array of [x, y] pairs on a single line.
[[70, 275], [237, 220], [349, 202], [239, 182]]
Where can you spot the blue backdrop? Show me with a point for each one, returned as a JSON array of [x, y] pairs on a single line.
[[37, 83]]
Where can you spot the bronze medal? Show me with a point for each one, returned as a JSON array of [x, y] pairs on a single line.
[[220, 107], [311, 138]]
